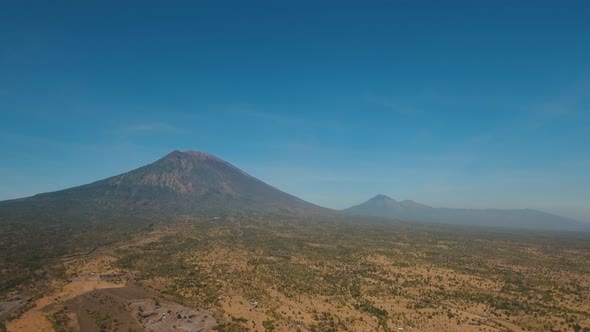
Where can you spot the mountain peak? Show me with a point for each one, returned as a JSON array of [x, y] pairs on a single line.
[[189, 182], [192, 153], [383, 206], [381, 197]]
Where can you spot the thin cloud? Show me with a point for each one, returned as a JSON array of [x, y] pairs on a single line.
[[153, 127], [568, 101], [394, 106], [266, 116], [284, 120], [18, 139]]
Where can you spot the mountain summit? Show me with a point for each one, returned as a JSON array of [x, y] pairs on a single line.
[[381, 201], [384, 206], [189, 182]]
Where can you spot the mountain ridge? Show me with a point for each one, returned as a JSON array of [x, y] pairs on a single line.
[[201, 184], [387, 207]]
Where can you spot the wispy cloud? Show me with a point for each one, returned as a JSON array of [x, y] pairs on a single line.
[[294, 118], [266, 116], [18, 139], [394, 106], [568, 101], [151, 127]]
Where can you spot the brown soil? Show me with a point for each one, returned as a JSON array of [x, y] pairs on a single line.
[[35, 320]]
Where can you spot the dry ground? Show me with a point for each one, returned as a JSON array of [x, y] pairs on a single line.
[[256, 275]]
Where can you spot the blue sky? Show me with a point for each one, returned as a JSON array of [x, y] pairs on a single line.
[[471, 104]]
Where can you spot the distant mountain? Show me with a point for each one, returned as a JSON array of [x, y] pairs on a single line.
[[180, 183], [199, 184], [384, 206]]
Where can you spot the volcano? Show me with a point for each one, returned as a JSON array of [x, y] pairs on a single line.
[[180, 183]]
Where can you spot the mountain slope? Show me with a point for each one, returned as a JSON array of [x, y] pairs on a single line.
[[384, 206], [180, 183]]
